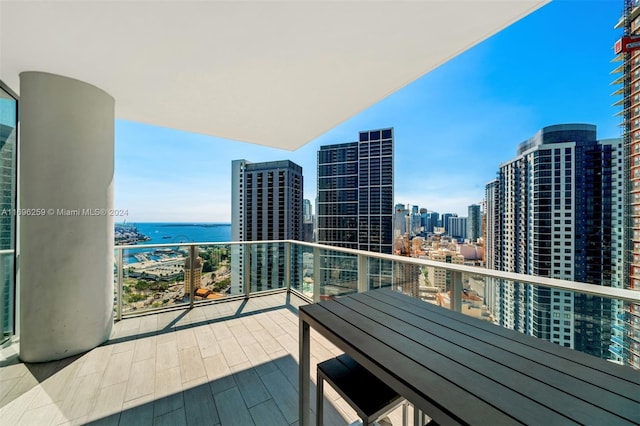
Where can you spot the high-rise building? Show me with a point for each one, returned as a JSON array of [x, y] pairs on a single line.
[[457, 227], [474, 222], [441, 278], [266, 205], [415, 221], [355, 204], [626, 330], [550, 212], [400, 220], [307, 212], [433, 221], [307, 221], [355, 193], [424, 219], [444, 221], [192, 274]]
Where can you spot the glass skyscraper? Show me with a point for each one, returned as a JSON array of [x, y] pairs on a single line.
[[266, 205], [355, 205], [474, 222], [551, 211], [355, 193]]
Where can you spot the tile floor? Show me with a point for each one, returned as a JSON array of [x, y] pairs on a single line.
[[231, 363]]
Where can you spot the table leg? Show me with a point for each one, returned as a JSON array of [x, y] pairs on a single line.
[[304, 360]]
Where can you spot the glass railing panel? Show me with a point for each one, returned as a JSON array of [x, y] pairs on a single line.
[[380, 273], [431, 285], [591, 324], [162, 276], [405, 277], [473, 296], [153, 277], [338, 274], [7, 295], [598, 325], [302, 259], [213, 277], [266, 265]]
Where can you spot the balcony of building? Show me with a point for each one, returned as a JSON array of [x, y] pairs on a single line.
[[233, 359], [227, 363]]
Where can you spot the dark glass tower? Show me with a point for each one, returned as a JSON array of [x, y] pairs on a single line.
[[355, 206], [355, 193], [266, 205], [553, 216]]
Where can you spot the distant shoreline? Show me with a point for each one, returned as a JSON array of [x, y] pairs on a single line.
[[176, 232]]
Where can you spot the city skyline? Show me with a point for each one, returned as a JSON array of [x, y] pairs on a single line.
[[453, 127]]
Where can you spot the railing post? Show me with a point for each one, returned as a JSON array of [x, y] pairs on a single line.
[[119, 283], [316, 274], [456, 291], [287, 265], [246, 282], [192, 259], [363, 273]]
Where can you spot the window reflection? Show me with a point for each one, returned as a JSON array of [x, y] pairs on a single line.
[[8, 138]]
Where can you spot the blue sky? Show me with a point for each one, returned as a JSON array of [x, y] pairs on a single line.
[[453, 126]]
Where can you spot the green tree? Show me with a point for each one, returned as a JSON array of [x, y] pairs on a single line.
[[142, 285], [135, 297], [221, 285]]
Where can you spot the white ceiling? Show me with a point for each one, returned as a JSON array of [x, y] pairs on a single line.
[[277, 73]]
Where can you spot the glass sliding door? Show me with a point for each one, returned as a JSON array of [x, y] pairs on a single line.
[[8, 148]]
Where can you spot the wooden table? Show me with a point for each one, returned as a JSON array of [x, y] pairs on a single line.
[[461, 370]]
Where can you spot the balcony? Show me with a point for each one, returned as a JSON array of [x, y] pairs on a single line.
[[234, 360], [224, 363]]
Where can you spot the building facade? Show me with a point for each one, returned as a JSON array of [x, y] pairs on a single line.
[[192, 274], [424, 218], [474, 222], [400, 214], [266, 205], [307, 222], [433, 221], [355, 193], [457, 227], [440, 278], [444, 221], [550, 212], [355, 203], [626, 334]]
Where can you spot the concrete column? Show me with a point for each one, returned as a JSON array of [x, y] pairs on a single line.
[[66, 157]]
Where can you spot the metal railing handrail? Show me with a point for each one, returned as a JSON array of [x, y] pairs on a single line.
[[556, 283], [627, 295]]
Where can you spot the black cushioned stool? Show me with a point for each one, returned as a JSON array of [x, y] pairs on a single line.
[[363, 391]]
